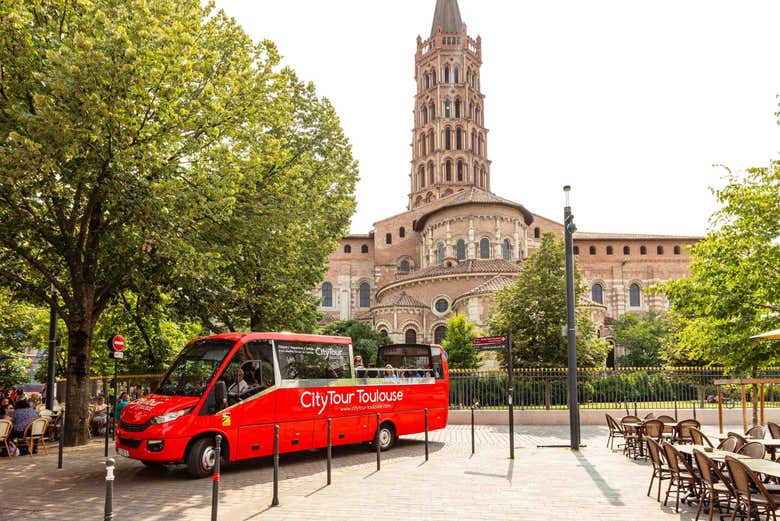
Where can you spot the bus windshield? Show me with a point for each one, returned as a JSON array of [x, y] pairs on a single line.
[[192, 371]]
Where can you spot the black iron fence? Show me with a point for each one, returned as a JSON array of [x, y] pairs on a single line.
[[599, 388]]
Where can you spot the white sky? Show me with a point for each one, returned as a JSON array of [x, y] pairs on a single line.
[[630, 102]]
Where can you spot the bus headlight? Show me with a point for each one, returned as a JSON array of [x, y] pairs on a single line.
[[170, 416]]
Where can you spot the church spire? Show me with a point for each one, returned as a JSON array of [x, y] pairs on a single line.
[[447, 16]]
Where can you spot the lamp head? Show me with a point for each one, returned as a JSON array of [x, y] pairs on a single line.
[[567, 191]]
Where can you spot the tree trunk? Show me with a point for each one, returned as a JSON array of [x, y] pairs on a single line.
[[77, 390], [547, 394]]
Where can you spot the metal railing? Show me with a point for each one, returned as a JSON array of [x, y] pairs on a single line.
[[599, 388]]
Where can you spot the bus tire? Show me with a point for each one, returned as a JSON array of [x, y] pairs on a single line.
[[386, 436], [201, 457]]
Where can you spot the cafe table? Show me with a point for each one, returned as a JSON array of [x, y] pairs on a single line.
[[763, 466], [714, 454]]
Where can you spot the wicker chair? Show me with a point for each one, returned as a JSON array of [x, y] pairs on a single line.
[[741, 441], [631, 435], [753, 499], [668, 429], [753, 449], [715, 486], [774, 430], [649, 416], [729, 444], [699, 438], [756, 432], [683, 475], [5, 431], [615, 432], [661, 469], [684, 430], [36, 431]]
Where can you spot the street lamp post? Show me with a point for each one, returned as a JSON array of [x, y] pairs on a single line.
[[571, 323], [51, 380]]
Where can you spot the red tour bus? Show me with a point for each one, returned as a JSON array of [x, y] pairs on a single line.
[[240, 385]]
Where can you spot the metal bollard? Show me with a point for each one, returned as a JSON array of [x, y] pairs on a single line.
[[472, 429], [215, 481], [376, 443], [330, 446], [61, 439], [275, 500], [426, 434], [108, 512], [105, 454]]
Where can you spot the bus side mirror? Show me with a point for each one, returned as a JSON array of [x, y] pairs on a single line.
[[220, 394]]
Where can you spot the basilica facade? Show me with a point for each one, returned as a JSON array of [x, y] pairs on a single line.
[[457, 243]]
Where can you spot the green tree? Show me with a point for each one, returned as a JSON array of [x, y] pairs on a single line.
[[132, 132], [365, 341], [643, 337], [459, 343], [733, 291], [534, 308]]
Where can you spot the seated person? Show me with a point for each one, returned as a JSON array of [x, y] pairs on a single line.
[[100, 417], [390, 373], [360, 370], [22, 417], [124, 399], [239, 385]]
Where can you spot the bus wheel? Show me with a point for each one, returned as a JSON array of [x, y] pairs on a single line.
[[386, 436], [201, 457]]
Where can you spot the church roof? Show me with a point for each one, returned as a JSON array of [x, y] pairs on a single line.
[[447, 16], [402, 300], [493, 285], [472, 195], [632, 236], [464, 267]]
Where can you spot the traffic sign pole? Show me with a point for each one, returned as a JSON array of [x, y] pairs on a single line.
[[510, 394]]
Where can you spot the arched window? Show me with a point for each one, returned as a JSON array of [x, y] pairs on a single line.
[[383, 332], [610, 250], [597, 293], [423, 148], [447, 74], [447, 109], [456, 74], [660, 250], [365, 295], [461, 250], [643, 250], [592, 250], [327, 295], [576, 250], [405, 266], [410, 337], [473, 142], [364, 248], [424, 114], [431, 180], [427, 81], [448, 138], [634, 296], [438, 334], [347, 249], [433, 77], [448, 170], [457, 108], [475, 172], [388, 238], [402, 232], [506, 250], [421, 176], [459, 139], [440, 250], [484, 248], [676, 250], [537, 232], [431, 142], [432, 111], [460, 170], [626, 250]]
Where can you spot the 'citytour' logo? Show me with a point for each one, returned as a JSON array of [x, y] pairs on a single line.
[[320, 400]]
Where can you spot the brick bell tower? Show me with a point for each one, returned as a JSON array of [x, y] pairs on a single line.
[[450, 140]]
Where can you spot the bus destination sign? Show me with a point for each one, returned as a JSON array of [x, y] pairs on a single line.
[[489, 343]]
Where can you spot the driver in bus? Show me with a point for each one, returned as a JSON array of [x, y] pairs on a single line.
[[239, 385]]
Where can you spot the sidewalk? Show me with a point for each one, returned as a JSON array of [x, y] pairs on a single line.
[[541, 483]]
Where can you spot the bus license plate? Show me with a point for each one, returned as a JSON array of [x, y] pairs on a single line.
[[123, 452]]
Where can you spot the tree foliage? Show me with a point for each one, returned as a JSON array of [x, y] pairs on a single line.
[[534, 308], [459, 343], [149, 146], [643, 337], [365, 341], [733, 291]]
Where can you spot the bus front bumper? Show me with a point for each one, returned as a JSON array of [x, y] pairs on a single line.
[[168, 450]]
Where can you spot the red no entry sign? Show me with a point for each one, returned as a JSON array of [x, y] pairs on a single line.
[[116, 343]]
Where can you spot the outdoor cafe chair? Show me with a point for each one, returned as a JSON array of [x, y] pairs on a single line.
[[774, 430], [699, 438], [729, 444], [653, 429], [684, 430], [668, 429], [631, 434], [753, 449], [715, 486], [34, 432], [683, 475], [650, 416], [5, 431], [756, 432], [661, 469], [753, 499], [741, 441], [615, 432]]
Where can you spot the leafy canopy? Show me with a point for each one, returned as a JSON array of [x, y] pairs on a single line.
[[459, 343], [365, 341], [643, 337]]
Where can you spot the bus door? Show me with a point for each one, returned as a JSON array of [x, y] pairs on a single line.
[[250, 406]]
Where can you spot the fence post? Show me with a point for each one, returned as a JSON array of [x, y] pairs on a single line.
[[635, 413], [61, 434], [330, 446], [694, 410], [675, 409], [275, 500], [215, 478], [426, 434], [378, 450], [108, 512]]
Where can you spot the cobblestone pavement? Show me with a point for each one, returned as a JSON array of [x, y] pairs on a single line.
[[541, 483]]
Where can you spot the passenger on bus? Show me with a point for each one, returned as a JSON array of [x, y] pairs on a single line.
[[389, 372], [360, 371], [239, 385]]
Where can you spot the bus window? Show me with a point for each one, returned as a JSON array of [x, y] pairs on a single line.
[[250, 371], [438, 369], [409, 361], [313, 361]]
